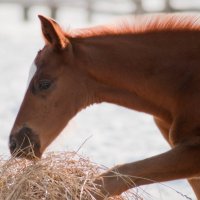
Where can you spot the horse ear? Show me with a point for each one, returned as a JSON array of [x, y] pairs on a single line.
[[53, 33]]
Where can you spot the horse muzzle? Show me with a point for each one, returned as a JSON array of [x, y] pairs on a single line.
[[25, 143]]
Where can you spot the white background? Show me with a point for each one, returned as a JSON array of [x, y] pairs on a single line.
[[117, 135]]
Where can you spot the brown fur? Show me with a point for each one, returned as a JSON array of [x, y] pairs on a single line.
[[152, 66]]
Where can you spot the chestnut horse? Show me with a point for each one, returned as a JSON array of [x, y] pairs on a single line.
[[151, 65]]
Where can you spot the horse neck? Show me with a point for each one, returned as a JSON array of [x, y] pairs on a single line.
[[133, 70]]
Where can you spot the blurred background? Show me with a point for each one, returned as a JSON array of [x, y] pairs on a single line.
[[114, 134]]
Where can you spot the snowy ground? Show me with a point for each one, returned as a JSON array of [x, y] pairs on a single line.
[[116, 135]]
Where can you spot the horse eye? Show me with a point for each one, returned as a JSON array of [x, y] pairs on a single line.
[[44, 84]]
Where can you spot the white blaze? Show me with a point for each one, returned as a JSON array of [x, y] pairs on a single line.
[[32, 71]]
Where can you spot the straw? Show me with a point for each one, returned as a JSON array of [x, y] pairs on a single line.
[[57, 176]]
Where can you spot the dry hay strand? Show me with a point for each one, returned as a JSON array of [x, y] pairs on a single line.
[[58, 176]]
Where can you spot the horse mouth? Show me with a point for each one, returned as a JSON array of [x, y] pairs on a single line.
[[25, 144], [30, 153]]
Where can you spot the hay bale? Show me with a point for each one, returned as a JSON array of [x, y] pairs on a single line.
[[58, 176]]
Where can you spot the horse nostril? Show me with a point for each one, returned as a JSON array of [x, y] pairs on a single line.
[[13, 144]]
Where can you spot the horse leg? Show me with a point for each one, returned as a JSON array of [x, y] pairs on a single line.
[[176, 163], [164, 129], [195, 184]]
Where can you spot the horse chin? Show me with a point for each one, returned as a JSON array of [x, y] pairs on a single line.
[[33, 157]]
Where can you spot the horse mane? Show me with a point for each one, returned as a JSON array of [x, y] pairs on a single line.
[[142, 24]]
